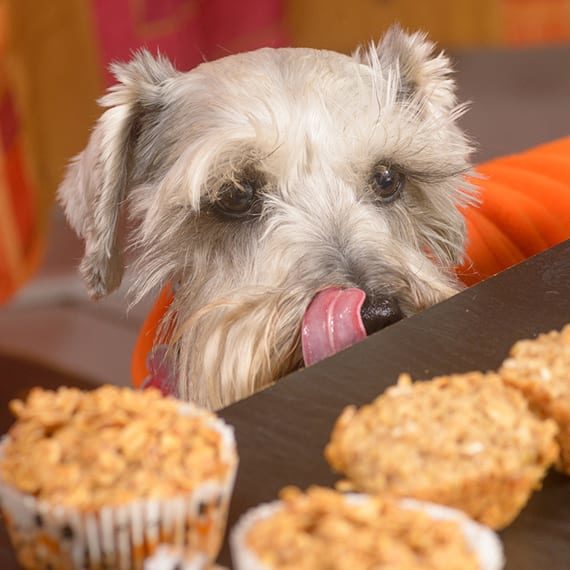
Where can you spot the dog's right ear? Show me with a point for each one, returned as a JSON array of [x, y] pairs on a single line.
[[97, 180], [423, 72]]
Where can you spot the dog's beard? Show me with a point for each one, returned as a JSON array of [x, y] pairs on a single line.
[[232, 345], [237, 344]]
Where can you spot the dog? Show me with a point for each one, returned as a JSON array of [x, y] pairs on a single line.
[[296, 199]]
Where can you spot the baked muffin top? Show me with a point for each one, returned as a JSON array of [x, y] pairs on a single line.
[[111, 446], [543, 363], [436, 434], [322, 529]]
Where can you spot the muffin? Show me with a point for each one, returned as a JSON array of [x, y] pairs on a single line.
[[325, 529], [466, 441], [98, 479], [540, 369]]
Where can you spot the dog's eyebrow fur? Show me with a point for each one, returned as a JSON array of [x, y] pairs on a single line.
[[205, 164], [247, 174], [238, 170], [433, 174]]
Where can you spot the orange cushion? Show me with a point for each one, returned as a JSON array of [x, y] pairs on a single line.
[[147, 336], [525, 208]]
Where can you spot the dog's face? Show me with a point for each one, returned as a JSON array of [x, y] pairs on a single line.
[[278, 191]]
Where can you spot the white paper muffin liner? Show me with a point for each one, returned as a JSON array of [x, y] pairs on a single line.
[[168, 557], [63, 538], [481, 539]]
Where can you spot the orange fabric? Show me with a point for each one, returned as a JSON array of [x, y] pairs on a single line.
[[45, 116], [147, 336], [525, 208]]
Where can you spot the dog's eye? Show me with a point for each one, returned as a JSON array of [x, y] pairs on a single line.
[[388, 183], [235, 200]]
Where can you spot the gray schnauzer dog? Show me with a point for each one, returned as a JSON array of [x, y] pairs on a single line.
[[297, 199]]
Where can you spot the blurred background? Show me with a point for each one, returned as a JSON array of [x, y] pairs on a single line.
[[512, 59]]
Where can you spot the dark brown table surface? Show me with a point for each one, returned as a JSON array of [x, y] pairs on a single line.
[[282, 431]]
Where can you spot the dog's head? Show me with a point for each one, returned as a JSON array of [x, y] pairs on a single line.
[[268, 182]]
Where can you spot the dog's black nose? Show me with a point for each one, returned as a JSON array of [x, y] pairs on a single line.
[[379, 312]]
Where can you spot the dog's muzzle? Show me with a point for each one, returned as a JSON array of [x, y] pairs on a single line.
[[338, 318]]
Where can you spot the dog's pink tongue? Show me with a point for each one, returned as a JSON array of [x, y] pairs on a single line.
[[332, 322]]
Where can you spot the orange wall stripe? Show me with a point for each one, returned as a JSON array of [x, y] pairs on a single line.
[[10, 246], [21, 195]]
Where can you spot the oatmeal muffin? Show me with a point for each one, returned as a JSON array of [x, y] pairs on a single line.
[[466, 441], [323, 529], [540, 369], [92, 479]]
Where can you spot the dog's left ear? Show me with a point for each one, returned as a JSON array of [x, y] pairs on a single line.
[[422, 71], [97, 180]]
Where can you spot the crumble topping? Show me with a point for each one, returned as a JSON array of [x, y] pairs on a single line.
[[540, 369], [438, 434], [109, 446], [544, 361], [322, 529]]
